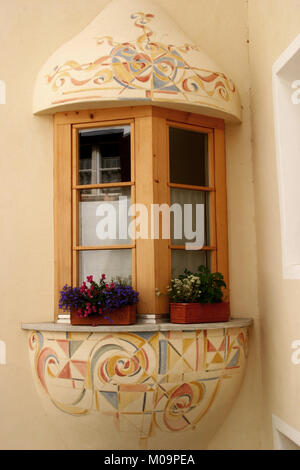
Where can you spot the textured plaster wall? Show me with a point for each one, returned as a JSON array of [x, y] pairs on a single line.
[[273, 24], [30, 31]]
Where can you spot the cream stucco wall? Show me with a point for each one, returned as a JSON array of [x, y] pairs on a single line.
[[273, 25], [30, 31]]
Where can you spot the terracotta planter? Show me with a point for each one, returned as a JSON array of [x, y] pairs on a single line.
[[199, 313], [121, 316]]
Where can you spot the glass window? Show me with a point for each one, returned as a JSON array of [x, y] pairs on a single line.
[[116, 264], [190, 260], [104, 160], [148, 156], [189, 167], [188, 157], [188, 199], [104, 155], [103, 216]]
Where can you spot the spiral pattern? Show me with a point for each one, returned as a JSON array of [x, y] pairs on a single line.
[[181, 407], [164, 381], [123, 363]]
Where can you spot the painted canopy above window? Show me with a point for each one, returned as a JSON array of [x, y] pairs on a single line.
[[132, 53]]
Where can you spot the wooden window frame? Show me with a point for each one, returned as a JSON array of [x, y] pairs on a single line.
[[209, 189], [76, 187], [151, 259]]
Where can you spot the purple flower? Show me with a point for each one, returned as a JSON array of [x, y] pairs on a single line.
[[100, 298]]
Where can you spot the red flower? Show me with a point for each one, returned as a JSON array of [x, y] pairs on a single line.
[[103, 276], [89, 278], [89, 294], [83, 287]]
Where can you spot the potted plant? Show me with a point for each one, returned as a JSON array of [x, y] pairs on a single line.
[[100, 303], [198, 297]]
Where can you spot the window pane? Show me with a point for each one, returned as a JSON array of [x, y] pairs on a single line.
[[104, 155], [190, 260], [115, 264], [188, 157], [103, 216], [187, 199]]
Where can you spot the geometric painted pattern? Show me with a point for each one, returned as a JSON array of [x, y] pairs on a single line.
[[147, 381]]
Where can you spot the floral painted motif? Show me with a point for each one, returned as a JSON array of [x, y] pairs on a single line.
[[160, 71]]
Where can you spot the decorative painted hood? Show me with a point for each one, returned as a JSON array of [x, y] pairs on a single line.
[[132, 53]]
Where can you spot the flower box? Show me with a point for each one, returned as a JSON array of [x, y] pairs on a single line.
[[100, 303], [198, 297], [121, 316], [199, 313]]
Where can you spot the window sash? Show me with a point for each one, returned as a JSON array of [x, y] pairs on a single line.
[[76, 188]]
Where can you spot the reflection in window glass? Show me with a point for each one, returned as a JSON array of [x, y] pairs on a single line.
[[103, 216], [191, 197], [190, 260], [188, 157], [188, 152], [116, 264], [104, 155]]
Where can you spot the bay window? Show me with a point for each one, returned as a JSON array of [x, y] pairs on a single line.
[[140, 155]]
